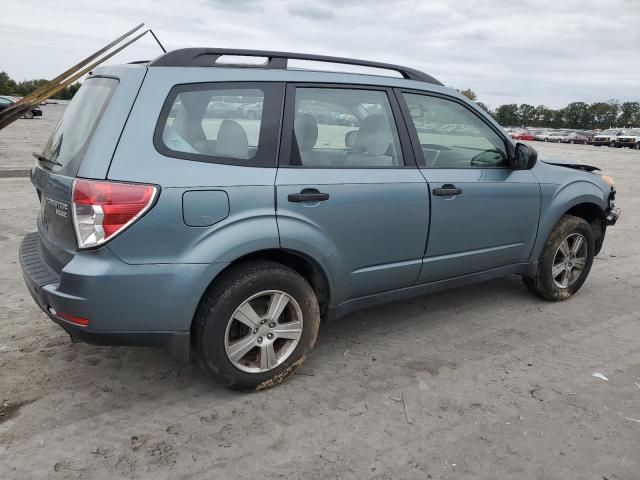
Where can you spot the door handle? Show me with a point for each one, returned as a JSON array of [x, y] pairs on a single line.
[[308, 196], [446, 190]]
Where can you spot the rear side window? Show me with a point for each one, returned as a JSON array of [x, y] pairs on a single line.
[[74, 130], [231, 123]]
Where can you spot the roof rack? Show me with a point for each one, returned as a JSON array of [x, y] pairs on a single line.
[[207, 57]]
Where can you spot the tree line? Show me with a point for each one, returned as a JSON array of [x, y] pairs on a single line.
[[578, 115], [8, 86]]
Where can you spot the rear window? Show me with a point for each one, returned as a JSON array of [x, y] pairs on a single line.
[[233, 123], [74, 130]]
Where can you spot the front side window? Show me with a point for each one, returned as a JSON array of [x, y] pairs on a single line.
[[344, 128], [453, 137], [220, 123]]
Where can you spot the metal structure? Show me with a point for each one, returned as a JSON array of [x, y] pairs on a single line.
[[18, 109], [207, 57]]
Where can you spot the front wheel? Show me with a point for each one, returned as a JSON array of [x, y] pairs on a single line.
[[255, 325], [565, 260], [28, 115]]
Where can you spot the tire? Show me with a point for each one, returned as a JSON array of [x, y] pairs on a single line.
[[251, 116], [571, 142], [28, 115], [543, 284], [612, 144], [636, 146], [217, 321], [546, 139]]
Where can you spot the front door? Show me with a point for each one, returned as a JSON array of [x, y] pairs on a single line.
[[484, 214], [348, 191]]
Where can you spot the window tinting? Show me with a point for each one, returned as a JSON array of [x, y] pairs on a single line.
[[453, 137], [344, 128]]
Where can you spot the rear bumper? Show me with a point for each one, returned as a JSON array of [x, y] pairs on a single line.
[[145, 305]]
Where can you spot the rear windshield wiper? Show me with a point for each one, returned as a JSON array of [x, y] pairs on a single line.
[[44, 158]]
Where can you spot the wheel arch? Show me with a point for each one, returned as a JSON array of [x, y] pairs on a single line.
[[301, 263]]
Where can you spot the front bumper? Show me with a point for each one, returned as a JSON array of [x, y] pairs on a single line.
[[630, 144], [146, 305], [612, 216]]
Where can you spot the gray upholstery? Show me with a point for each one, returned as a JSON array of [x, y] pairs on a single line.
[[306, 130], [232, 140], [372, 142]]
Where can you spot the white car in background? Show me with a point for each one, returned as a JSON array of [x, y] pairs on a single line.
[[554, 136], [630, 139], [607, 137]]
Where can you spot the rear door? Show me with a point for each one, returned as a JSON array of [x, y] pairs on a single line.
[[484, 214], [348, 191]]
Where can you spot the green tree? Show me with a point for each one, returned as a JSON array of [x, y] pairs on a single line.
[[7, 84], [526, 113], [507, 115], [629, 114], [577, 115], [470, 94]]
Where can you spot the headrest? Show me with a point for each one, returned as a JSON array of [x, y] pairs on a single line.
[[232, 140], [306, 130], [374, 136]]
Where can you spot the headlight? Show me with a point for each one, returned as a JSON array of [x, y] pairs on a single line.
[[609, 180]]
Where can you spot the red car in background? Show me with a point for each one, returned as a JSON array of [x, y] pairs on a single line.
[[522, 135]]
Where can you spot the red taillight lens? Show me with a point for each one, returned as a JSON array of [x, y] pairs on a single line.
[[101, 210], [83, 322]]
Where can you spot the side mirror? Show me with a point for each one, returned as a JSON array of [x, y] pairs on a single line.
[[525, 157]]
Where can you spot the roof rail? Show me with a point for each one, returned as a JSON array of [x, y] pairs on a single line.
[[207, 57]]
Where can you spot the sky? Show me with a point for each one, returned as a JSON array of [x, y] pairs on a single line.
[[524, 51]]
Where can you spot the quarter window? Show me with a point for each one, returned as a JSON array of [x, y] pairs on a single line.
[[344, 128], [221, 123], [453, 137]]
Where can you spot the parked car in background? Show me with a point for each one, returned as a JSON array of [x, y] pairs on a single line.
[[630, 139], [607, 137], [6, 102], [575, 137], [555, 136], [252, 110], [222, 109], [522, 135]]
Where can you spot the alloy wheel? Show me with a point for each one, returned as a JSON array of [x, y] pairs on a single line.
[[569, 260], [263, 331]]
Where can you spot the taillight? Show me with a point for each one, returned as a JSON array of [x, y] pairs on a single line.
[[101, 210]]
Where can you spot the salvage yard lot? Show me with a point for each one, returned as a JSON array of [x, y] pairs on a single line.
[[481, 382]]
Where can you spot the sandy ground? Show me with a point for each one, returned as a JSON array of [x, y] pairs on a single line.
[[483, 382]]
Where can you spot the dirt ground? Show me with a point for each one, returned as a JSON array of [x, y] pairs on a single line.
[[483, 382]]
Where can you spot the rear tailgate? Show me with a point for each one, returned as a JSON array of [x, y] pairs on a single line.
[[81, 145]]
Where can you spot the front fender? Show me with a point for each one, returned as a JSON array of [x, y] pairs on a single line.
[[557, 200]]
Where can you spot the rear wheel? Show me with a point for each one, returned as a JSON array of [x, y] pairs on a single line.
[[565, 260], [256, 325], [612, 144], [637, 146], [28, 115]]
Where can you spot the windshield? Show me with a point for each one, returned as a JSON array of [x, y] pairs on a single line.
[[75, 128]]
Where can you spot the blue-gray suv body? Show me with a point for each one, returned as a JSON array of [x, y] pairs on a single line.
[[221, 210]]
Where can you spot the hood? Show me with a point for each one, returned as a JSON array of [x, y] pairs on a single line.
[[571, 164]]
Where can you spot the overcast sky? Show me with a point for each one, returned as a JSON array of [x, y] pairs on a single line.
[[515, 51]]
